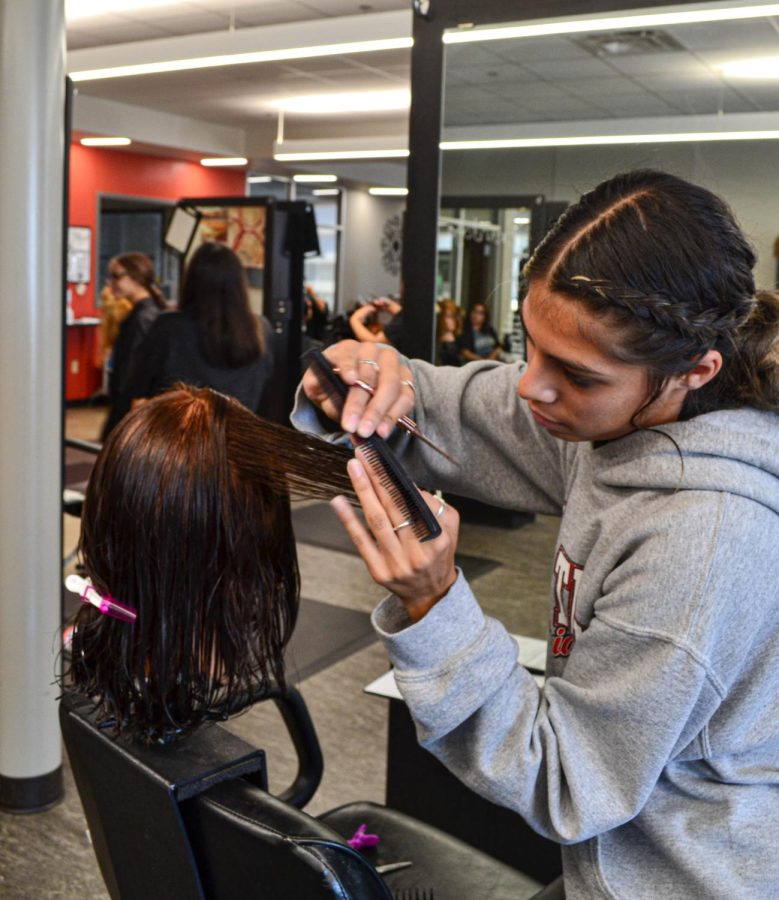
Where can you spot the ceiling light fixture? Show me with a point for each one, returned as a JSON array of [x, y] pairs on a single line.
[[388, 191], [224, 161], [322, 155], [105, 141], [603, 139], [763, 67], [349, 102], [259, 179], [314, 179], [521, 220], [326, 192], [612, 23], [239, 59], [87, 9]]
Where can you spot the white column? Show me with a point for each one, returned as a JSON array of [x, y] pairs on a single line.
[[32, 136]]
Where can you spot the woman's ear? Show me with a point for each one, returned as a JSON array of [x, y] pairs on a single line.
[[703, 371]]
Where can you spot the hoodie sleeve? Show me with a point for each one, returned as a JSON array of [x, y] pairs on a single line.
[[474, 414], [574, 759]]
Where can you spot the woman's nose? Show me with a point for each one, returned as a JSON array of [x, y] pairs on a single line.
[[536, 382]]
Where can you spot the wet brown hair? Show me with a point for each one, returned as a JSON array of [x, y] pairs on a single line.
[[187, 519], [664, 263]]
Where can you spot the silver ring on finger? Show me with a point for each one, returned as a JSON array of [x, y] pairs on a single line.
[[403, 524], [441, 508], [369, 362], [409, 384]]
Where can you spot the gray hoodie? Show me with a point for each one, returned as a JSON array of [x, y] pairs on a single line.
[[652, 752]]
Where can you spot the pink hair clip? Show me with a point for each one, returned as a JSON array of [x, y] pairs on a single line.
[[107, 605], [360, 839]]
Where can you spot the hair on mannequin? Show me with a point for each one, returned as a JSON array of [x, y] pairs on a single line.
[[187, 519]]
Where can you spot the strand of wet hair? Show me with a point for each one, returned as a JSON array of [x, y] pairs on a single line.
[[302, 465]]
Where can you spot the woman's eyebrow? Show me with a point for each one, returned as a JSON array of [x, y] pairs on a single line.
[[568, 363]]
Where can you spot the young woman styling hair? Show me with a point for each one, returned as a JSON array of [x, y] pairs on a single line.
[[646, 417]]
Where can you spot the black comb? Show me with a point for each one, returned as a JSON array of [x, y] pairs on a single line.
[[391, 474]]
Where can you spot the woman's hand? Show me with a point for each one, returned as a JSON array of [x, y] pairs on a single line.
[[420, 574], [374, 365]]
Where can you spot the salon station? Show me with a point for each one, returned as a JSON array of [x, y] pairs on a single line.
[[404, 155]]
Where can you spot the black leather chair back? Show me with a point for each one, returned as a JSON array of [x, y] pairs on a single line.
[[194, 820]]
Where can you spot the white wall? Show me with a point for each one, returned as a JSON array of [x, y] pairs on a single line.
[[362, 270], [745, 173]]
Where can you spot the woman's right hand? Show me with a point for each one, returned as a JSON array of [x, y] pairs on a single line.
[[376, 365]]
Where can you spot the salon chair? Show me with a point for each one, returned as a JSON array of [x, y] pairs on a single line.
[[194, 819]]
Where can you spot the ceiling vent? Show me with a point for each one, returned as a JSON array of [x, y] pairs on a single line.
[[629, 43]]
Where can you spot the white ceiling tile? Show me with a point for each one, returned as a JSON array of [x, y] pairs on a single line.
[[573, 69], [540, 49]]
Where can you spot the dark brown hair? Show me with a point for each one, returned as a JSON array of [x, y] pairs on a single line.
[[141, 269], [665, 264], [214, 292], [187, 519]]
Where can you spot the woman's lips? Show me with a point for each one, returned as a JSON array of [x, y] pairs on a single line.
[[543, 421]]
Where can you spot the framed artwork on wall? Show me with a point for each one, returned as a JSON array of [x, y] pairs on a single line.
[[79, 254]]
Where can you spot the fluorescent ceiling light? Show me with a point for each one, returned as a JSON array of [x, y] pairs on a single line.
[[259, 179], [105, 141], [320, 155], [238, 59], [87, 9], [326, 192], [613, 23], [315, 179], [763, 67], [521, 220], [353, 101], [388, 191], [224, 161], [602, 139]]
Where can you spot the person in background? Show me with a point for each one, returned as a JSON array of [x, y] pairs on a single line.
[[113, 311], [478, 339], [316, 319], [213, 340], [448, 330], [131, 277], [380, 321]]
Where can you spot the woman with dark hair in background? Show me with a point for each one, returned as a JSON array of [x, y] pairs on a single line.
[[187, 520], [478, 339], [131, 276], [448, 330], [213, 340], [647, 418]]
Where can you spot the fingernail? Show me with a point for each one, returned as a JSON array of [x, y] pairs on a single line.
[[350, 423], [384, 430], [355, 468], [339, 502], [366, 428]]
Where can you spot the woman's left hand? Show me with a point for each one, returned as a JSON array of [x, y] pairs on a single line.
[[420, 574]]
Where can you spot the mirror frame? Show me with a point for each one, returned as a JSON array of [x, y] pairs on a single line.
[[431, 19]]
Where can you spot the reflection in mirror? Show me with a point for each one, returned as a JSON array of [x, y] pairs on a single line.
[[481, 252], [569, 110]]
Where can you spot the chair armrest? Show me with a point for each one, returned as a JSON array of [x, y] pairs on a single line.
[[294, 711]]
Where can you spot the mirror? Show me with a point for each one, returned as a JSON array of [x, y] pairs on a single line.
[[656, 92]]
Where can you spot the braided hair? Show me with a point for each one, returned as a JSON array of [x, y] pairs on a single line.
[[665, 264]]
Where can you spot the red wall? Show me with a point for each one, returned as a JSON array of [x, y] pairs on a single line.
[[94, 171]]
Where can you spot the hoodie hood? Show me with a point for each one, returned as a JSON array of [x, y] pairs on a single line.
[[736, 451]]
